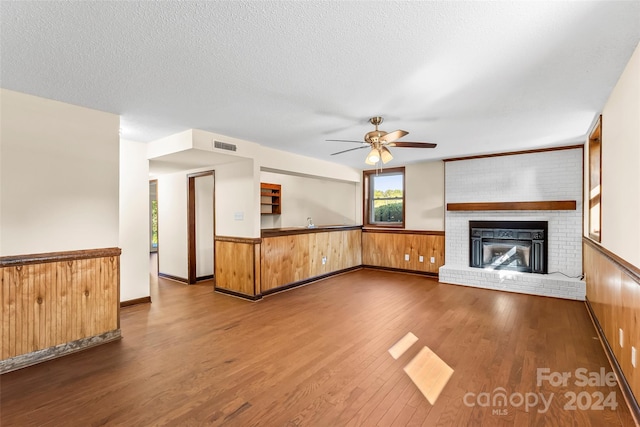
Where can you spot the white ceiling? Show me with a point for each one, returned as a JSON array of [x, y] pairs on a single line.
[[474, 77]]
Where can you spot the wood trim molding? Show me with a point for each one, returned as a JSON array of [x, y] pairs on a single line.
[[247, 240], [39, 356], [176, 278], [627, 267], [402, 231], [515, 153], [238, 294], [402, 270], [629, 398], [275, 232], [514, 206], [309, 280], [15, 260], [135, 301]]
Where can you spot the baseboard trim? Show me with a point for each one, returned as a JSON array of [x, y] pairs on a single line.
[[135, 301], [170, 277], [629, 398], [238, 294], [309, 280], [402, 270], [203, 278], [39, 356]]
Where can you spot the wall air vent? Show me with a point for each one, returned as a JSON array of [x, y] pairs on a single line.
[[224, 146]]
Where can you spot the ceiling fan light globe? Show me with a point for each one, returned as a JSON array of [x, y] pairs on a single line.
[[373, 157]]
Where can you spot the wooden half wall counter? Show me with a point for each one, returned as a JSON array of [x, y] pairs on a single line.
[[613, 301], [295, 256], [284, 258], [237, 266], [57, 303]]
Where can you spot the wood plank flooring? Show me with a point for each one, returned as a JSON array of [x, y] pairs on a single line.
[[318, 356]]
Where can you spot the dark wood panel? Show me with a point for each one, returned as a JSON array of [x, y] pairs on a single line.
[[514, 206], [317, 356]]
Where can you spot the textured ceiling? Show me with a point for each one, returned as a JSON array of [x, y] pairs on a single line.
[[474, 77]]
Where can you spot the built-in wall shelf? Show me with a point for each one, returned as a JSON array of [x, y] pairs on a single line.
[[270, 199], [557, 205]]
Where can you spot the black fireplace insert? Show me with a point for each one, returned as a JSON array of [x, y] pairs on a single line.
[[509, 245]]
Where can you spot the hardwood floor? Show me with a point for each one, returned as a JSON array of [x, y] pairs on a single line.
[[317, 356]]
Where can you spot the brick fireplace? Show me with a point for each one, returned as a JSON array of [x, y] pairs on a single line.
[[497, 189]]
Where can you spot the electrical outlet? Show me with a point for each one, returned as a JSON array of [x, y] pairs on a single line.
[[433, 260], [324, 260], [633, 356], [406, 257], [621, 337], [421, 258]]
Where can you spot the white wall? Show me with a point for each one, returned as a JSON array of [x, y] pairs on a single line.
[[424, 185], [237, 199], [621, 165], [204, 225], [58, 176], [172, 225], [327, 202], [270, 158], [134, 220]]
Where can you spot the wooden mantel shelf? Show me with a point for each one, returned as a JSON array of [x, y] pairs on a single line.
[[559, 205]]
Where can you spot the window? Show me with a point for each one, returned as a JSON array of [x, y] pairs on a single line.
[[384, 198], [595, 181]]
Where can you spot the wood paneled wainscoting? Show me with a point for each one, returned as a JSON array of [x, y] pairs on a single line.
[[284, 258], [291, 257], [613, 300], [237, 266], [387, 248], [57, 303]]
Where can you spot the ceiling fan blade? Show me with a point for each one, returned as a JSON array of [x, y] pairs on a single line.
[[392, 136], [413, 144], [350, 149], [345, 140]]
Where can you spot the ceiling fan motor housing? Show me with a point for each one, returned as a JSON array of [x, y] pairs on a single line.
[[374, 136]]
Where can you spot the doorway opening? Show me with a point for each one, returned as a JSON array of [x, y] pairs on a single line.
[[201, 225]]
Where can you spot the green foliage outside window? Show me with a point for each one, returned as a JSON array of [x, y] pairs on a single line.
[[387, 206], [388, 213], [154, 223]]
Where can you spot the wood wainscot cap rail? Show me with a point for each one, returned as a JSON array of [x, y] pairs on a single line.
[[275, 232], [555, 205], [14, 260], [402, 231]]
